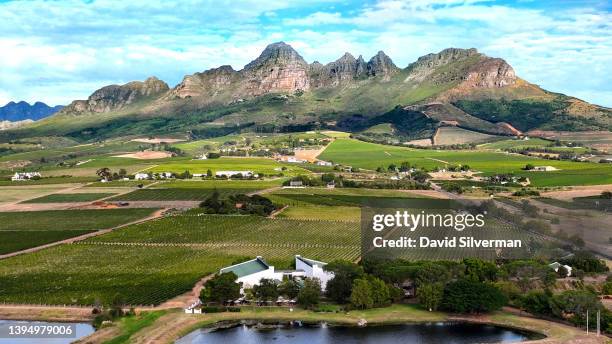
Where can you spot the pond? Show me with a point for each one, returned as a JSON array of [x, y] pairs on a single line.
[[81, 330], [434, 333]]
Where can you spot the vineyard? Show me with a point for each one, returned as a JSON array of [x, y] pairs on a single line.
[[23, 230], [153, 261], [69, 219], [69, 198], [12, 241], [174, 194]]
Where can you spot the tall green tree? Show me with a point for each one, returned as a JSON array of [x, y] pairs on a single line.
[[430, 295], [361, 294], [310, 293], [470, 296], [339, 288], [266, 290], [221, 288]]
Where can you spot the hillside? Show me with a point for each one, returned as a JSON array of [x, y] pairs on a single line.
[[15, 112], [280, 91]]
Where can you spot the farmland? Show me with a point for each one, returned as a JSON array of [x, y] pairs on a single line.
[[185, 248], [69, 219], [370, 156], [196, 190], [454, 135], [23, 230], [257, 165], [69, 197], [12, 241]]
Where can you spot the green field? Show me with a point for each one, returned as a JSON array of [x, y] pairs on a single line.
[[69, 198], [370, 156], [69, 219], [21, 230], [517, 144], [154, 261], [12, 241], [310, 212], [219, 184], [257, 165]]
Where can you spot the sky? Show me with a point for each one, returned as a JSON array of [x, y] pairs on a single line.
[[59, 51]]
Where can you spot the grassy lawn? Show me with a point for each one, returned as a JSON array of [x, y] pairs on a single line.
[[219, 184], [69, 198], [370, 156]]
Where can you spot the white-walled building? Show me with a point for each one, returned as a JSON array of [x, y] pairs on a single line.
[[313, 269], [251, 272], [141, 176], [230, 174], [556, 265], [24, 176]]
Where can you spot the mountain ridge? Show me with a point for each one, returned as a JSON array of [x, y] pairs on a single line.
[[280, 89], [22, 110]]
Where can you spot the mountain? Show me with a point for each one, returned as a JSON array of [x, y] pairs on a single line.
[[280, 91], [14, 112]]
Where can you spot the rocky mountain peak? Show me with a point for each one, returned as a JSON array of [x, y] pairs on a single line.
[[279, 53], [381, 65], [115, 97]]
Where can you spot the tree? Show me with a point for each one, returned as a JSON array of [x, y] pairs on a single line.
[[209, 173], [266, 290], [430, 295], [470, 296], [361, 297], [339, 287], [379, 291], [480, 270], [104, 173], [536, 302], [122, 172], [430, 273], [221, 288], [529, 167], [289, 288], [310, 293], [573, 305]]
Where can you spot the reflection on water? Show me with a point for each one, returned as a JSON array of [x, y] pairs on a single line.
[[434, 333]]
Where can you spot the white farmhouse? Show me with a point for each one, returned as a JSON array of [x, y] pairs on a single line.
[[324, 163], [24, 176], [251, 272], [141, 176], [544, 168], [313, 269], [230, 174], [556, 265]]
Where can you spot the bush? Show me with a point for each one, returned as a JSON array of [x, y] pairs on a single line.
[[469, 296]]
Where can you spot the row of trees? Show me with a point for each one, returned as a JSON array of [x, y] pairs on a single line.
[[237, 204]]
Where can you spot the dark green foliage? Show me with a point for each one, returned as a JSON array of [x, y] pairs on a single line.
[[469, 296], [528, 114], [310, 293], [339, 288], [289, 288], [221, 288], [573, 305], [536, 302], [238, 204], [266, 290], [586, 262]]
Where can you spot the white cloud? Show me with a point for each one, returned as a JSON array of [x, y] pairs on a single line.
[[59, 51]]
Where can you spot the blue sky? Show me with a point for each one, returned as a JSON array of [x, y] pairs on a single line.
[[58, 51]]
